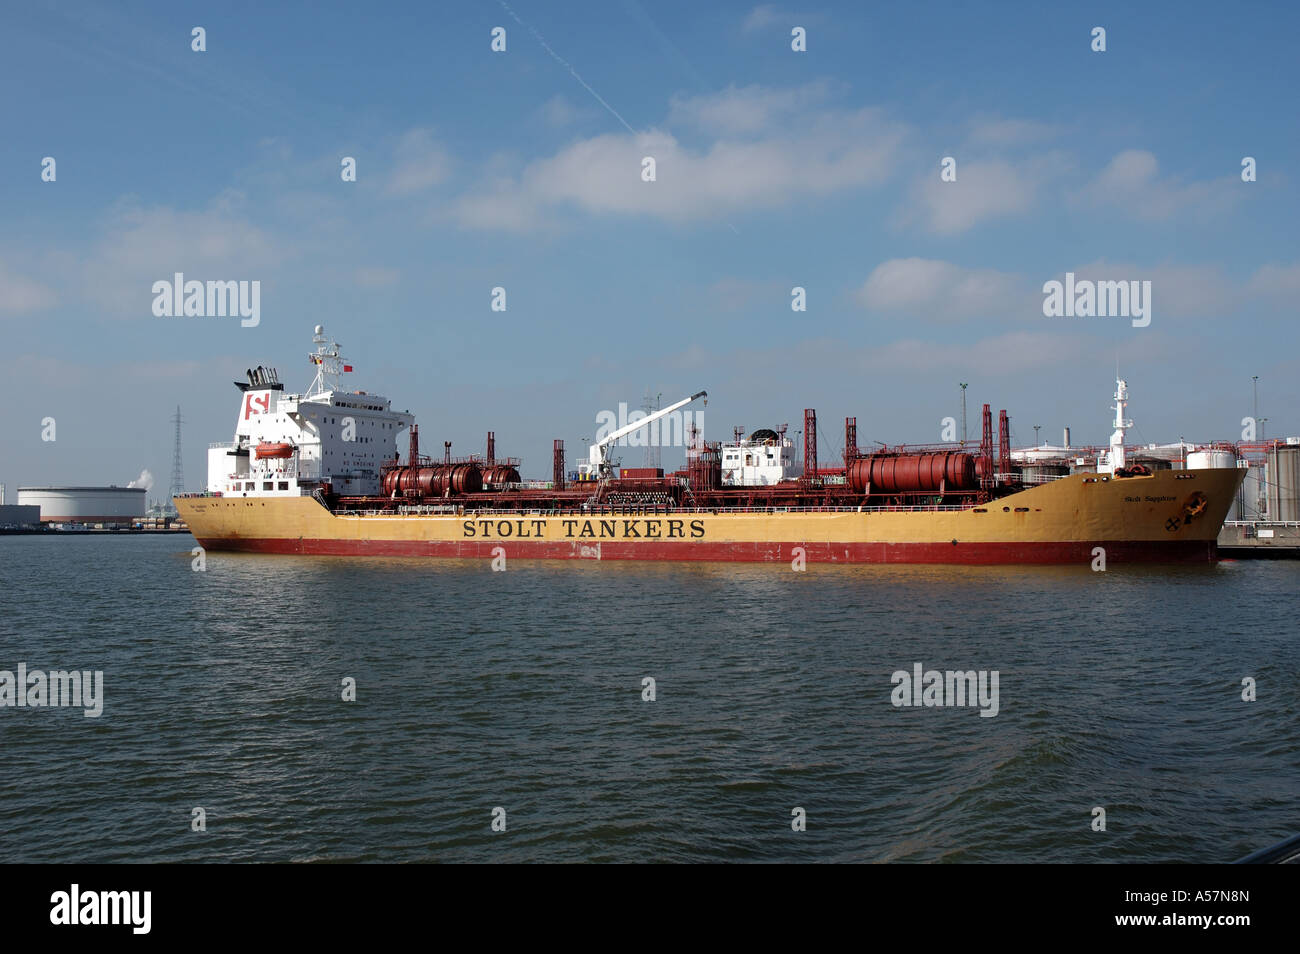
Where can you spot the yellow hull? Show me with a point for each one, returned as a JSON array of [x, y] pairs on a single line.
[[1148, 519]]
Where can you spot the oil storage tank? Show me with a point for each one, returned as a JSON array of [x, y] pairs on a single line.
[[1283, 482], [1041, 472], [1249, 504], [1245, 506], [1210, 459], [115, 505]]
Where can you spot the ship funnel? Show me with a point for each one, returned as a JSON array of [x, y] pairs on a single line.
[[1067, 439]]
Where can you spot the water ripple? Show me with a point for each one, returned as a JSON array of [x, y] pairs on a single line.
[[523, 690]]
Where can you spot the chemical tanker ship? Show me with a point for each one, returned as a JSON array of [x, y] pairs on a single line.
[[320, 473]]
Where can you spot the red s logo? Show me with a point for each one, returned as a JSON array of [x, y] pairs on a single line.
[[251, 399]]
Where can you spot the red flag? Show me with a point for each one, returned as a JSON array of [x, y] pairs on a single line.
[[347, 367]]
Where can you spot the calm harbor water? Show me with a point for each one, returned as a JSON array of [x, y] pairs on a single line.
[[523, 690]]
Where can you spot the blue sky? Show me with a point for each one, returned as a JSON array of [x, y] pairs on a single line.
[[775, 168]]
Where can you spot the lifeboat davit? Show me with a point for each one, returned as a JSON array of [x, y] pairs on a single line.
[[274, 451]]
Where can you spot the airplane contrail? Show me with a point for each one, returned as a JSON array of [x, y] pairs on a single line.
[[563, 62]]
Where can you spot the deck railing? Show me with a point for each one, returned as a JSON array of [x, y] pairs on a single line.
[[629, 512]]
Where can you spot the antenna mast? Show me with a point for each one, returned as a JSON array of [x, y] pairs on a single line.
[[328, 363]]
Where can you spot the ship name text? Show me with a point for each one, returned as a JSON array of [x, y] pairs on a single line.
[[584, 528]]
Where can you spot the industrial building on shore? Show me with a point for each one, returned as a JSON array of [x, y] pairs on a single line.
[[15, 518], [1265, 521], [110, 506], [109, 509]]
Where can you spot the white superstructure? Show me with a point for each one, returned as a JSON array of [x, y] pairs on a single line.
[[1114, 460], [290, 444], [764, 459]]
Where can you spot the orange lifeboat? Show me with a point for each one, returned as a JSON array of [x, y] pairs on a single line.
[[274, 451]]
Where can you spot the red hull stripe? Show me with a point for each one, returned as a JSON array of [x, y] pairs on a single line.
[[1192, 551]]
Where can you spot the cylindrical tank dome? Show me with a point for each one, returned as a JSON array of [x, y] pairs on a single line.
[[436, 481], [418, 481], [460, 478], [1210, 459], [85, 504], [500, 474], [912, 473]]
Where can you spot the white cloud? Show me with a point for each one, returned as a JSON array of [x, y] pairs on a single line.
[[1185, 291], [762, 16], [918, 359], [942, 291], [500, 206], [1196, 291], [143, 245], [1280, 281], [1132, 181], [1008, 132], [421, 163], [1130, 170], [19, 294], [559, 111], [744, 110], [982, 190], [824, 152]]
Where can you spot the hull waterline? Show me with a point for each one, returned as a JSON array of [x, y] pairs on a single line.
[[1144, 519]]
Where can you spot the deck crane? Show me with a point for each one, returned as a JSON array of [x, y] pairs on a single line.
[[597, 466]]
